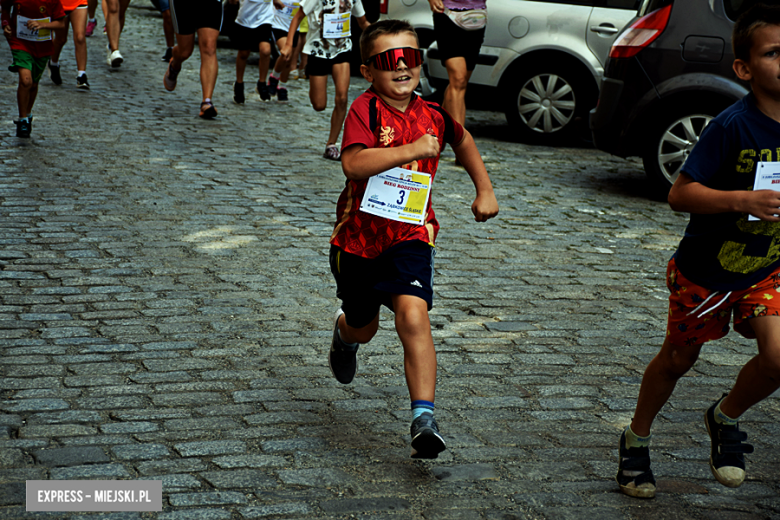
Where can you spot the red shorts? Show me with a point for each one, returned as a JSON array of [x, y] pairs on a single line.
[[698, 315]]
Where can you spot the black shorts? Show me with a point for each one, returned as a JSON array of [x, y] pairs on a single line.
[[365, 284], [317, 66], [247, 39], [455, 42], [278, 33], [191, 15]]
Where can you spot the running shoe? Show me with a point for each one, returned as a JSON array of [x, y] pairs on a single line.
[[273, 85], [82, 82], [281, 95], [427, 443], [342, 359], [169, 79], [332, 152], [54, 73], [262, 90], [634, 475], [114, 58], [727, 456], [168, 54], [90, 28], [294, 74], [23, 128], [238, 93]]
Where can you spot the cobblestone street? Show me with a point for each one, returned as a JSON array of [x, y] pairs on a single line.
[[166, 310]]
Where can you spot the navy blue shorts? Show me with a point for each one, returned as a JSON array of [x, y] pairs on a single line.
[[365, 284]]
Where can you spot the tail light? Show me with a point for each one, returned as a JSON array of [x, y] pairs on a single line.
[[640, 34], [383, 6]]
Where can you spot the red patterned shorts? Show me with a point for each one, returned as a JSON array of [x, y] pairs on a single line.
[[698, 315]]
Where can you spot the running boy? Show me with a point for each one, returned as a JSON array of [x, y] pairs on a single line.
[[328, 44], [725, 263], [28, 33], [379, 255]]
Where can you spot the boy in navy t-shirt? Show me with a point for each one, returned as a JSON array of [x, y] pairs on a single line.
[[725, 264]]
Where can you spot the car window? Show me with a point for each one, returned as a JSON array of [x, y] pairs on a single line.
[[734, 8], [631, 5]]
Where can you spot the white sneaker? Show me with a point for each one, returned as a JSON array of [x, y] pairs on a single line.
[[114, 58]]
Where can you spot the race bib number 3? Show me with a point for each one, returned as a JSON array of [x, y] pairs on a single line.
[[335, 25], [398, 194], [38, 35]]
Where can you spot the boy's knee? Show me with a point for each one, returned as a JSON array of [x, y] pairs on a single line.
[[341, 102], [413, 319], [679, 361], [318, 106], [26, 82]]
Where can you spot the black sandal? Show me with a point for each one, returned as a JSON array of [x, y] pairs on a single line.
[[207, 110]]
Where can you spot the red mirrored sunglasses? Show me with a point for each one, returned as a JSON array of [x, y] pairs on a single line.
[[388, 60]]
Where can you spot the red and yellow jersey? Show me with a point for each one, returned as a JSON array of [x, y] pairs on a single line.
[[35, 10], [375, 124]]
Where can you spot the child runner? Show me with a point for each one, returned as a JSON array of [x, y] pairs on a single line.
[[277, 82], [328, 44], [114, 12], [724, 264], [388, 260], [28, 32], [253, 33], [76, 13], [204, 18]]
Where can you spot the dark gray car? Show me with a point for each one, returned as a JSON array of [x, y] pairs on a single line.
[[668, 75]]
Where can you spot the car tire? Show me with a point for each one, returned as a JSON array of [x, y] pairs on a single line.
[[545, 102], [671, 141]]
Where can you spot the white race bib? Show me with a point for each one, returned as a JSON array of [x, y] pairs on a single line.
[[398, 194], [335, 25], [38, 35]]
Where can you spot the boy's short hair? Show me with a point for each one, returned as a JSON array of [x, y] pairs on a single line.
[[760, 15], [380, 28]]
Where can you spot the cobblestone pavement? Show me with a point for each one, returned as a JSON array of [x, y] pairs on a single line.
[[166, 305]]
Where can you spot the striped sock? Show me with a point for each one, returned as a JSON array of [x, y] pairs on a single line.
[[421, 407]]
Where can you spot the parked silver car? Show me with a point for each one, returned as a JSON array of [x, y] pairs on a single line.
[[545, 59]]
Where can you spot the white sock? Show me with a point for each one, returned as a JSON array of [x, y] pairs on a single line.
[[54, 63], [93, 20], [81, 73], [282, 84]]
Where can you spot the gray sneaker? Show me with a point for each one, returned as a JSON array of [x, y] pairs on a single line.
[[342, 359], [427, 443]]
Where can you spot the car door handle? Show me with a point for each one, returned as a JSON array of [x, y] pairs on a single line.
[[604, 29]]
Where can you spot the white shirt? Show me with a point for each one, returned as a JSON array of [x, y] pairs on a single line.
[[283, 18], [254, 13], [315, 10]]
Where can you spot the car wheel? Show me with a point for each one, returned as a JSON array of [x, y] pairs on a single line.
[[671, 142], [546, 101]]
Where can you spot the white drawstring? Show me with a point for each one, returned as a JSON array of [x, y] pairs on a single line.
[[711, 308]]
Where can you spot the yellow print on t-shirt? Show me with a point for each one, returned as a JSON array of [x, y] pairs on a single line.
[[732, 255]]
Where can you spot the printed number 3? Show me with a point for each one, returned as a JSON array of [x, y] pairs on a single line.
[[401, 200]]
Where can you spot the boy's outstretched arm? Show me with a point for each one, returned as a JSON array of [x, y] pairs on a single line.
[[363, 23], [689, 196], [360, 162], [485, 206]]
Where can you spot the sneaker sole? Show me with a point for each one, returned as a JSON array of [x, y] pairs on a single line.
[[261, 97], [718, 477], [427, 445], [633, 491]]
